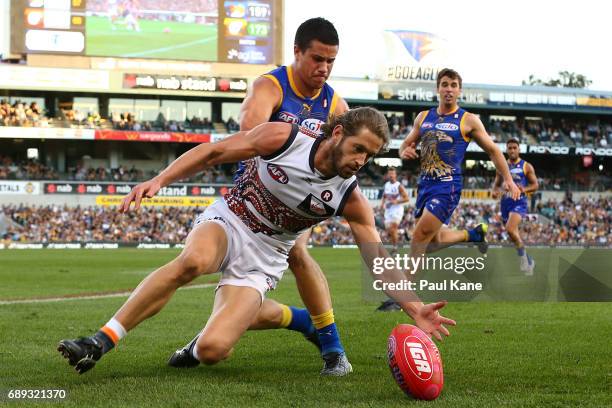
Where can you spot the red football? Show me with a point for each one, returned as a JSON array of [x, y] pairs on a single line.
[[415, 362]]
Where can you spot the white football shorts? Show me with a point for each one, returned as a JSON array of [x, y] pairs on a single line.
[[249, 261], [394, 215]]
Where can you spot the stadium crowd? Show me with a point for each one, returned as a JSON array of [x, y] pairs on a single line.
[[21, 114], [579, 222], [547, 131], [25, 170], [373, 175], [584, 222], [534, 131]]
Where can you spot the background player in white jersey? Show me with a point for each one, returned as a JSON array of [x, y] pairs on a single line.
[[392, 203], [248, 234], [513, 211]]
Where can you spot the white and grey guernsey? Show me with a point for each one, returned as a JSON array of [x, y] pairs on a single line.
[[392, 192], [281, 195]]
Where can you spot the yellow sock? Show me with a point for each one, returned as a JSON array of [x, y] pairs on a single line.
[[287, 315], [324, 319]]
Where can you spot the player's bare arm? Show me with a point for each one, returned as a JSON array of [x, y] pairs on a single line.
[[476, 130], [263, 140], [497, 186], [403, 195], [532, 180], [407, 150], [360, 217], [382, 202], [262, 100], [341, 106]]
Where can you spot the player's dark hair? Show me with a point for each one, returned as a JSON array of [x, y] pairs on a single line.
[[315, 29], [451, 73], [512, 140], [391, 169], [354, 120]]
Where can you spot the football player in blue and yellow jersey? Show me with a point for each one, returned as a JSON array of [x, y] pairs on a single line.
[[444, 133], [512, 210], [299, 94]]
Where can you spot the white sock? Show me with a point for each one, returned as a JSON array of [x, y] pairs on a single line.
[[194, 352], [116, 327]]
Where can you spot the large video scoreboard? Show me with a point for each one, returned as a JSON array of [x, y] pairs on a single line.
[[206, 30]]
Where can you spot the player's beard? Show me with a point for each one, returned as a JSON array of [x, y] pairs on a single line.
[[336, 158]]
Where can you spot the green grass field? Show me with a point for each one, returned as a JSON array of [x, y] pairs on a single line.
[[500, 354], [183, 41]]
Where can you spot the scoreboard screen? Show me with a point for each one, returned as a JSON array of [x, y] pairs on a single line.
[[201, 30], [56, 26], [247, 32]]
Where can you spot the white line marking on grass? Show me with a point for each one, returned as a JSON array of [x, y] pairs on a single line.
[[91, 297], [170, 48]]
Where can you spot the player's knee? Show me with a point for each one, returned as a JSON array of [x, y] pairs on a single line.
[[513, 233], [193, 264], [424, 233], [211, 351], [298, 257]]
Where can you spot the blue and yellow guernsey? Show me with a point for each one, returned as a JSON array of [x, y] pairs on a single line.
[[294, 107], [443, 145], [517, 171]]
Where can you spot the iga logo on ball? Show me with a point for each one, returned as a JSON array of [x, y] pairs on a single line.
[[415, 362]]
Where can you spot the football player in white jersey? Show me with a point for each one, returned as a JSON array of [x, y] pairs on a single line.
[[247, 235], [392, 203]]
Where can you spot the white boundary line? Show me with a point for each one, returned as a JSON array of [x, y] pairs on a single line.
[[90, 297]]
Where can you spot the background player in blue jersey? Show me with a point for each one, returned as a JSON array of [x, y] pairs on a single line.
[[299, 94], [512, 210], [444, 133]]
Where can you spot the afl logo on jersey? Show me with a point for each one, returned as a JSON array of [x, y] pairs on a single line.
[[446, 126], [327, 196], [288, 117], [278, 174], [312, 124], [427, 125]]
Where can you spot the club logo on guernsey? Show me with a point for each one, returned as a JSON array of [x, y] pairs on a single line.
[[288, 117], [418, 358], [447, 126], [327, 195], [278, 174]]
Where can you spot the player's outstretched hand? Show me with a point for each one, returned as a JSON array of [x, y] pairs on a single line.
[[409, 152], [147, 189], [431, 321]]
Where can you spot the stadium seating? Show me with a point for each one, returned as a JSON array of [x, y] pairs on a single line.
[[582, 222]]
